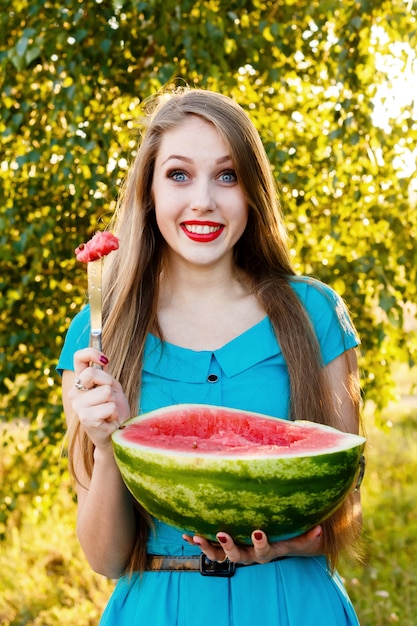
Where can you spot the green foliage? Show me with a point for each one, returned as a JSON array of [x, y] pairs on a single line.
[[73, 78]]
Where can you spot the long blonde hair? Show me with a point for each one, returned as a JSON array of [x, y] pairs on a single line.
[[131, 285]]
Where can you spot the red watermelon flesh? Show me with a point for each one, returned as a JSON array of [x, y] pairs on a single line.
[[209, 431], [99, 246]]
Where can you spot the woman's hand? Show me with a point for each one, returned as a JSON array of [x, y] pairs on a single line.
[[261, 551], [99, 401], [106, 520]]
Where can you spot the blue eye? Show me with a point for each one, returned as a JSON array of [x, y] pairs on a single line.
[[229, 176], [178, 175]]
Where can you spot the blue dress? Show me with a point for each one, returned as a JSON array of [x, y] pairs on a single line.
[[249, 373]]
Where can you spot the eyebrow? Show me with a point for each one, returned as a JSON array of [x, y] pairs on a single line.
[[180, 157]]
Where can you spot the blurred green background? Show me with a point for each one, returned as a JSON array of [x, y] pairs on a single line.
[[332, 87]]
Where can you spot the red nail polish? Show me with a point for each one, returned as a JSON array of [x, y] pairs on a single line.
[[103, 359], [222, 538], [258, 536]]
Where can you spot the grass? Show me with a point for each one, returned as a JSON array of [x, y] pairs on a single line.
[[44, 577], [46, 581], [384, 589]]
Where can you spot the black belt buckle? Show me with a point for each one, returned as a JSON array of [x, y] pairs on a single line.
[[226, 569]]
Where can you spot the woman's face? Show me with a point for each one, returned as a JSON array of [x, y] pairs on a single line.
[[200, 206]]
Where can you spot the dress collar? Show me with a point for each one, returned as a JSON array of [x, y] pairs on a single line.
[[172, 362]]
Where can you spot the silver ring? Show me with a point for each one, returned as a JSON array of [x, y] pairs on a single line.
[[78, 385]]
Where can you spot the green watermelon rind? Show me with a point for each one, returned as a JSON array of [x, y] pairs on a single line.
[[205, 494]]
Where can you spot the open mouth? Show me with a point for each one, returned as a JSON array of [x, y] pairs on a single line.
[[202, 231]]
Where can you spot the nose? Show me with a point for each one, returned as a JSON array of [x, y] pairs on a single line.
[[202, 197]]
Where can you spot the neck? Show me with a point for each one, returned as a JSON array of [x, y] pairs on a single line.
[[195, 287]]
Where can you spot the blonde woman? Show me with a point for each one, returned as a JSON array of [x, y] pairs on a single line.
[[201, 305]]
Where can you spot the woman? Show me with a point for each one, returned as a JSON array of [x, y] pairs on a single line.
[[202, 290]]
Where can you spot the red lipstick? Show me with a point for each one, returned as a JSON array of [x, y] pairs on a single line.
[[202, 231]]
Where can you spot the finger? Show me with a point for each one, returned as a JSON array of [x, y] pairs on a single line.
[[213, 551], [93, 377], [307, 544], [260, 542], [311, 541], [232, 551], [188, 539], [95, 404], [262, 548], [95, 390], [83, 359], [314, 533], [194, 540], [306, 539], [100, 421]]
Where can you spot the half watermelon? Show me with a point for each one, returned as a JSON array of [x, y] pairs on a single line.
[[206, 469]]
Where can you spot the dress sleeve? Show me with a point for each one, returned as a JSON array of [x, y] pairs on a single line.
[[329, 316], [77, 337]]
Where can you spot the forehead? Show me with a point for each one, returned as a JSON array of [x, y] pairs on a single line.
[[193, 134]]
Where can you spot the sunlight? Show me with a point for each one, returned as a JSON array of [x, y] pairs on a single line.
[[396, 97]]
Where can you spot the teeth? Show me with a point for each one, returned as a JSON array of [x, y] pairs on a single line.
[[201, 230]]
